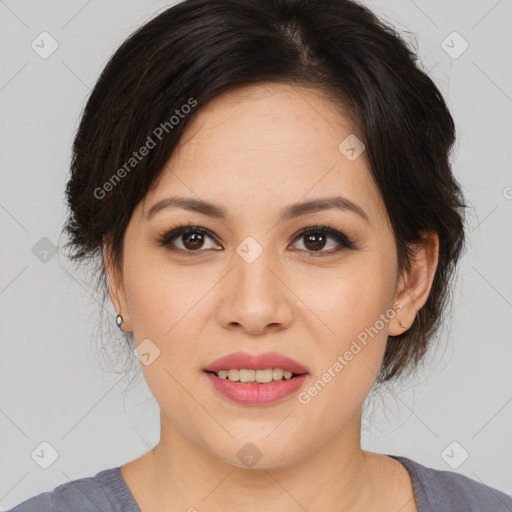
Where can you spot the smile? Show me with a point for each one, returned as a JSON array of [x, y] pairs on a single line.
[[255, 376]]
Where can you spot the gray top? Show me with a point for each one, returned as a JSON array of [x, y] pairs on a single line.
[[435, 490]]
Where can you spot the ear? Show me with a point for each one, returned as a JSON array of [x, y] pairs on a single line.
[[116, 287], [414, 285]]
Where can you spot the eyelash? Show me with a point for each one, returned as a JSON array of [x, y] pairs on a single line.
[[344, 242]]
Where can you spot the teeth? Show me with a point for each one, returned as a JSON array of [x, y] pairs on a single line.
[[247, 375], [261, 376], [277, 373], [234, 375]]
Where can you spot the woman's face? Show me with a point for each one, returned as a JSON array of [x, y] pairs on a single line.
[[253, 284]]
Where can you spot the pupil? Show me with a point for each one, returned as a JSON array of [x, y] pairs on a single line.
[[196, 240], [316, 239]]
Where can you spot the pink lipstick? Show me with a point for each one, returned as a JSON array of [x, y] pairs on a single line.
[[256, 379]]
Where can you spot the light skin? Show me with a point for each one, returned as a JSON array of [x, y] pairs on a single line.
[[255, 151]]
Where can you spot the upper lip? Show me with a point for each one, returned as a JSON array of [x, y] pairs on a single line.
[[243, 360]]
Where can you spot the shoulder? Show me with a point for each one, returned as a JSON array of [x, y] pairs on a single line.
[[447, 491], [88, 494]]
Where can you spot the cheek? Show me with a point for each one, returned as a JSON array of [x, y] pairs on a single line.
[[168, 307], [164, 300], [349, 300], [355, 308], [349, 354]]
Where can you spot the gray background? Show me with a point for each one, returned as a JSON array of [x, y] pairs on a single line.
[[54, 386]]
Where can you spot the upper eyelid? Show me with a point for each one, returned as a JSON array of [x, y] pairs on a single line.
[[191, 227]]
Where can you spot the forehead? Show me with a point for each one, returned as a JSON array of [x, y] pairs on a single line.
[[257, 148]]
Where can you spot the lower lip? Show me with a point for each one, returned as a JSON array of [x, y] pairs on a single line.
[[256, 394]]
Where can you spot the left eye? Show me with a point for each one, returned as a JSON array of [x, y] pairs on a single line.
[[316, 236], [314, 239]]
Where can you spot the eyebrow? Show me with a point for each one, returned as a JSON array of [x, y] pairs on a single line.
[[287, 213]]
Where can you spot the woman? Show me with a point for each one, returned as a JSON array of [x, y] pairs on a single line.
[[267, 188]]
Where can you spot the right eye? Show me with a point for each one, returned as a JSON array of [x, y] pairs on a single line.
[[191, 238]]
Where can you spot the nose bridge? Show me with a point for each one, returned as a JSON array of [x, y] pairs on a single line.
[[252, 270], [256, 297]]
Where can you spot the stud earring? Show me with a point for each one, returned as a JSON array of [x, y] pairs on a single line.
[[119, 322]]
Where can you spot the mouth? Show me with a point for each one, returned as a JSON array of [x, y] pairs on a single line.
[[256, 379]]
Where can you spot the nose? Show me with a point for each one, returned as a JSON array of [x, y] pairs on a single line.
[[255, 297]]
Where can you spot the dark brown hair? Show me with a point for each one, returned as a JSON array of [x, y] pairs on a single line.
[[198, 49]]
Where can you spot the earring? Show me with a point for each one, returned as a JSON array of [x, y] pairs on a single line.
[[119, 322]]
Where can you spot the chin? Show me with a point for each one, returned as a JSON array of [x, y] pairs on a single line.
[[255, 453]]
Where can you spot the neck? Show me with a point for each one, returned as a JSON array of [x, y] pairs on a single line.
[[183, 475]]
